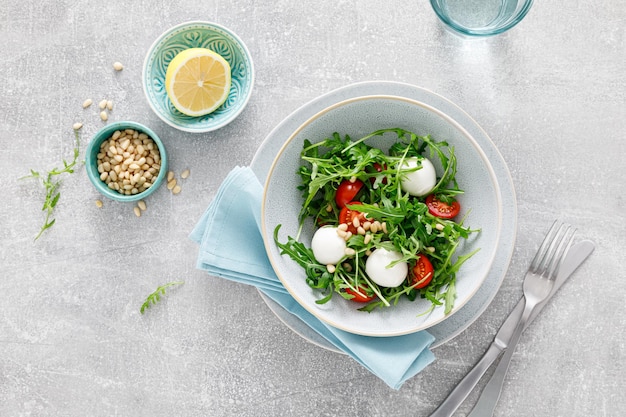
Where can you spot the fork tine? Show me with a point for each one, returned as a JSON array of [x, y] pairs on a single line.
[[561, 250], [545, 245]]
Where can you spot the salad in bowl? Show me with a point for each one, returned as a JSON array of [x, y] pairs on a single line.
[[381, 205]]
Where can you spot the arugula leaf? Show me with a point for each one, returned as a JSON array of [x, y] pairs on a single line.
[[155, 297], [52, 184]]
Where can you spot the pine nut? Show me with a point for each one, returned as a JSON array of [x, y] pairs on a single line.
[[116, 135], [170, 176], [350, 252], [331, 268], [87, 103], [185, 175], [356, 222], [104, 116], [171, 184], [102, 105], [341, 233], [347, 267], [439, 226], [360, 230], [142, 205], [98, 203], [342, 227], [431, 249], [109, 105], [77, 125], [176, 189], [117, 66], [367, 239], [137, 211], [384, 224]]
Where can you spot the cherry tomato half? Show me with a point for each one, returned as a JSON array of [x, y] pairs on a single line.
[[422, 272], [361, 296], [442, 209], [346, 192], [347, 216]]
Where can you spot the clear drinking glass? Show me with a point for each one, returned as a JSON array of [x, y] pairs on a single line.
[[481, 17]]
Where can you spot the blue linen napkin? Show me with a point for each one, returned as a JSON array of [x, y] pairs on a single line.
[[231, 247]]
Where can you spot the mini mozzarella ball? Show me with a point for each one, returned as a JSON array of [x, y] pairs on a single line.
[[376, 267], [421, 182], [328, 247]]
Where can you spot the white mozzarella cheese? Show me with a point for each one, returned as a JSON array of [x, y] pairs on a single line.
[[328, 247], [376, 267], [421, 182]]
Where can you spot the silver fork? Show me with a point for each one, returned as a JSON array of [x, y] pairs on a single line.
[[537, 286]]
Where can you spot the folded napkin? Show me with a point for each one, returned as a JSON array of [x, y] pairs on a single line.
[[231, 247]]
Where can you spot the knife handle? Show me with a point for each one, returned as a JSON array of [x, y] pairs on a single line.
[[467, 384], [486, 404]]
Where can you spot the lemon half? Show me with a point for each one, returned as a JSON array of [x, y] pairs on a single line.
[[197, 81]]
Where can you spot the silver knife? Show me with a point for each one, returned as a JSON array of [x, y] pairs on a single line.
[[576, 255]]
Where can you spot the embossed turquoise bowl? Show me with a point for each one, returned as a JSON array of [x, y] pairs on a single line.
[[198, 35]]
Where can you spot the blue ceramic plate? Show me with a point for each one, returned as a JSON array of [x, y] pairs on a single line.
[[198, 35]]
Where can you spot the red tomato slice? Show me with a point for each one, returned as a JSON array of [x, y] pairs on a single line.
[[422, 272], [360, 297], [441, 209], [347, 216], [347, 191]]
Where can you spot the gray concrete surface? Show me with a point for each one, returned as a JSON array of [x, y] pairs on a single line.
[[551, 94]]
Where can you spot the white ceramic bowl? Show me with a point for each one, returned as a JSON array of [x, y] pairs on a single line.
[[481, 204]]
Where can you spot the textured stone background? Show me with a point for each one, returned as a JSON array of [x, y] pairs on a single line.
[[551, 94]]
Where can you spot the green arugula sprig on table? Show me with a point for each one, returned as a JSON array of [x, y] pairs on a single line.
[[411, 228], [155, 297], [51, 184]]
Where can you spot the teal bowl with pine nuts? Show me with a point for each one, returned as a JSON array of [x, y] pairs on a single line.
[[126, 161]]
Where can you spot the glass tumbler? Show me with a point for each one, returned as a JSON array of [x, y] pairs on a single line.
[[481, 17]]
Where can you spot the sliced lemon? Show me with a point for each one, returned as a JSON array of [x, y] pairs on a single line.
[[197, 81]]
